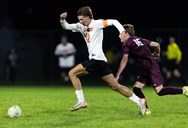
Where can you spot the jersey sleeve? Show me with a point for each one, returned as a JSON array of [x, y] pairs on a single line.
[[57, 52], [75, 27], [116, 23], [125, 49], [100, 23], [110, 22]]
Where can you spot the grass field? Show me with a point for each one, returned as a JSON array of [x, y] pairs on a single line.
[[48, 107]]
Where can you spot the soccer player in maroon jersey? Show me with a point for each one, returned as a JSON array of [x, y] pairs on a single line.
[[139, 49]]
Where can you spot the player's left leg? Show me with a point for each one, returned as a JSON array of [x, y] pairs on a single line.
[[161, 91], [74, 77], [157, 82]]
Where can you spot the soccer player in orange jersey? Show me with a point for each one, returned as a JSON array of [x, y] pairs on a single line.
[[92, 31]]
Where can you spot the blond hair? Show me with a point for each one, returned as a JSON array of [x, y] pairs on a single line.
[[129, 29]]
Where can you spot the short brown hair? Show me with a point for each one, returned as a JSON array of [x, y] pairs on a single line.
[[85, 11], [129, 29]]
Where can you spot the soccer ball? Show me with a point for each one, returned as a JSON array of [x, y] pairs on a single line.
[[14, 111]]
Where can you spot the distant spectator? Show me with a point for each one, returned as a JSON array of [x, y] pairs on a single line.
[[174, 58], [65, 51], [11, 65]]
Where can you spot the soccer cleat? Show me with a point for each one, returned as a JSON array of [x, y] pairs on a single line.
[[186, 90], [148, 112], [143, 106], [79, 106]]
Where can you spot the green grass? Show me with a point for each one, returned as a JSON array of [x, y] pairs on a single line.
[[48, 107]]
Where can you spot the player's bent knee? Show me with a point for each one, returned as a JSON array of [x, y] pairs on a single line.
[[159, 90], [71, 73], [160, 93]]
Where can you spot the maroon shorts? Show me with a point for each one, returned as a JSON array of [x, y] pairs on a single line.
[[151, 75]]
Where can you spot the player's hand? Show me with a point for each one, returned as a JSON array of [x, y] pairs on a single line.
[[63, 15], [156, 55]]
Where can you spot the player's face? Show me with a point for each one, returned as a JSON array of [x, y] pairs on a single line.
[[64, 40], [85, 20], [171, 39], [123, 37]]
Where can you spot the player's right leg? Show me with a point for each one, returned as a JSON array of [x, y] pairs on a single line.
[[73, 75], [137, 89], [161, 91]]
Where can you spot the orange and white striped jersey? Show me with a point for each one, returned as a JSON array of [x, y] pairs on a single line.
[[93, 35]]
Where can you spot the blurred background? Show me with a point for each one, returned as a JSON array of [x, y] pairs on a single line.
[[32, 27]]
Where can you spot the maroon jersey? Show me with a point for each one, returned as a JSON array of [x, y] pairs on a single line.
[[138, 48]]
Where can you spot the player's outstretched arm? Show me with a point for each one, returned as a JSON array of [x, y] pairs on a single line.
[[64, 23], [117, 24], [122, 65]]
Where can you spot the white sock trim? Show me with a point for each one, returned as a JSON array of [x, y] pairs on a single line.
[[80, 95], [135, 99]]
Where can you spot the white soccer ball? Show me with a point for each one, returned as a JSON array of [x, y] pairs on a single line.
[[14, 111]]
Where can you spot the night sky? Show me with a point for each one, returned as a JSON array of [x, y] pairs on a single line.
[[44, 14]]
